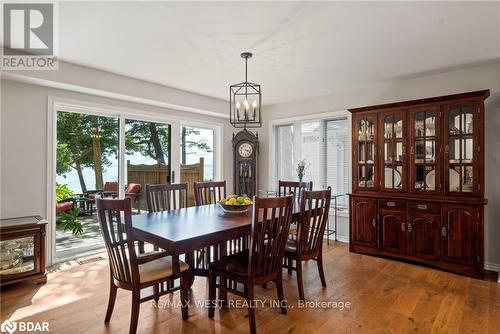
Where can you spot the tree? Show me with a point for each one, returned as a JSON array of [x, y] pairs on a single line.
[[186, 144], [85, 141], [148, 138]]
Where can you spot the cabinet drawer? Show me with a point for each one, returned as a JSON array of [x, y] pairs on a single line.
[[429, 207], [392, 204]]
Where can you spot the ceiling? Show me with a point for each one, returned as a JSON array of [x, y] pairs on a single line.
[[301, 50]]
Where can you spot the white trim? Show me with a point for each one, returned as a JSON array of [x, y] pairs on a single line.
[[111, 95], [55, 104], [492, 266]]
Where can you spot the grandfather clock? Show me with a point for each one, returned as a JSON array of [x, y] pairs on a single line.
[[246, 153]]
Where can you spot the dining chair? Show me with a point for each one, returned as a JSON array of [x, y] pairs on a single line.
[[209, 192], [288, 187], [263, 262], [132, 271], [308, 245], [161, 197]]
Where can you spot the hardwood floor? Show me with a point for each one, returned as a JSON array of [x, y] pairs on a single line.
[[386, 297]]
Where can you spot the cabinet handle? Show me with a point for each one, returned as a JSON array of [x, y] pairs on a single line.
[[443, 231], [374, 222], [391, 204], [446, 149], [422, 206], [403, 227], [410, 227]]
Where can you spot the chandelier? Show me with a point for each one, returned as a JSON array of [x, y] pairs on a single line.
[[245, 101]]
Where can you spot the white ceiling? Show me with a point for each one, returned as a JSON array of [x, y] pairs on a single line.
[[301, 50]]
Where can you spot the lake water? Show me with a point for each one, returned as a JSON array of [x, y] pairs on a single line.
[[110, 174]]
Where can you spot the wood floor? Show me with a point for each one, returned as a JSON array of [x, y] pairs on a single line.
[[385, 296]]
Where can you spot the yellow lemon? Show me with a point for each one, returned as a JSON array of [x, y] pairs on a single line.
[[232, 201]]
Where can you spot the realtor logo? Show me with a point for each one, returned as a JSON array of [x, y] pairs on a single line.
[[28, 28], [8, 326], [28, 34], [24, 326]]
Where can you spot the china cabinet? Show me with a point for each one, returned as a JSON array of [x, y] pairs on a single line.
[[418, 181], [22, 250]]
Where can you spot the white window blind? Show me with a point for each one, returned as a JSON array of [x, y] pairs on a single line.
[[324, 145], [337, 158], [286, 153]]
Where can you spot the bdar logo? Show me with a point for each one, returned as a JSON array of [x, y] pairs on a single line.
[[8, 326]]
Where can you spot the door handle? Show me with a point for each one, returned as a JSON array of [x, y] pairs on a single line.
[[374, 222], [443, 231], [403, 227], [410, 227]]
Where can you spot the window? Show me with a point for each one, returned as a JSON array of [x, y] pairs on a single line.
[[324, 144], [337, 158], [197, 149]]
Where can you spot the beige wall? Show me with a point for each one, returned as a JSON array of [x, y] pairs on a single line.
[[450, 82], [23, 133]]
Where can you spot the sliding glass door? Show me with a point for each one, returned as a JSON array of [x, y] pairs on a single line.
[[147, 159], [86, 165]]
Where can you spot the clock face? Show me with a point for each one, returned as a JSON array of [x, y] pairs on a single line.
[[245, 150]]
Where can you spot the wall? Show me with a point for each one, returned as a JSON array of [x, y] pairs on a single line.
[[23, 133], [485, 76]]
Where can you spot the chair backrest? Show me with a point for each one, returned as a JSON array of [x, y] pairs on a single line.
[[115, 219], [288, 187], [160, 197], [271, 218], [209, 192], [314, 209]]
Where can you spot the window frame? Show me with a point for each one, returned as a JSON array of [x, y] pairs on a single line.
[[322, 117]]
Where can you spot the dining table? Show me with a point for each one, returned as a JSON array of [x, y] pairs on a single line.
[[186, 230]]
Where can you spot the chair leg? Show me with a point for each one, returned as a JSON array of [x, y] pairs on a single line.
[[223, 291], [111, 301], [211, 293], [289, 265], [300, 281], [184, 296], [281, 295], [251, 310], [156, 292], [136, 305], [320, 269]]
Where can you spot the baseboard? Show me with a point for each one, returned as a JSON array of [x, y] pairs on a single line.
[[492, 266]]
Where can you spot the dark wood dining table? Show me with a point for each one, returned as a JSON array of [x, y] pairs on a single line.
[[183, 231]]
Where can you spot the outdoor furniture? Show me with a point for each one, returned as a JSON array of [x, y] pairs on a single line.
[[133, 192], [110, 189], [308, 245], [132, 271], [65, 205], [240, 272]]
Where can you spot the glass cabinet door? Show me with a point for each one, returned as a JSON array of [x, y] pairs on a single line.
[[393, 175], [424, 159], [365, 151], [460, 146], [18, 255]]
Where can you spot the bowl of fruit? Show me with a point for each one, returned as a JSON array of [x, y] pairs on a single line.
[[235, 203]]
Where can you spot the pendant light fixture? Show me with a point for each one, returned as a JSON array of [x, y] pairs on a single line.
[[245, 101]]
